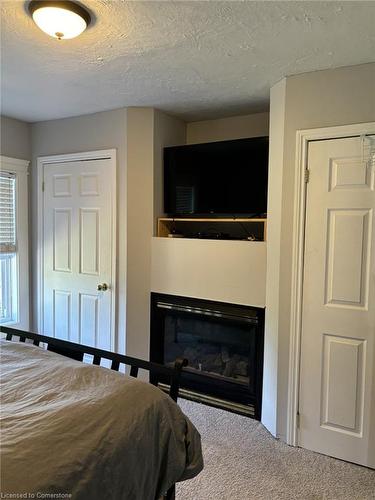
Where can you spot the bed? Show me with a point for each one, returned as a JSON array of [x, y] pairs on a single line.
[[82, 431]]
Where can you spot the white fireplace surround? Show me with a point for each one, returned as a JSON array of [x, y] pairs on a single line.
[[223, 270]]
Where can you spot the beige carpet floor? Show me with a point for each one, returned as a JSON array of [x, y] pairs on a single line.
[[243, 461]]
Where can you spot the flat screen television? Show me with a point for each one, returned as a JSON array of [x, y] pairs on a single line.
[[217, 178]]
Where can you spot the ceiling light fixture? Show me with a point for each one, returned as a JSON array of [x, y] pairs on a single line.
[[60, 19]]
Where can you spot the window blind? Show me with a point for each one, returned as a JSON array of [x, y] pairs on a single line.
[[7, 212]]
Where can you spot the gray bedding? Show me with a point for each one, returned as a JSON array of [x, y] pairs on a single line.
[[72, 428]]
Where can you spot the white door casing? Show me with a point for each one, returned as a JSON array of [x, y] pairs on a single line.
[[77, 246], [337, 400], [303, 138]]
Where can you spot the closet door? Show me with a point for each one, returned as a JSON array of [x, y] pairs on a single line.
[[78, 270], [337, 386]]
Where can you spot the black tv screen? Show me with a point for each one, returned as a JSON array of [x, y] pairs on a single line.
[[217, 178]]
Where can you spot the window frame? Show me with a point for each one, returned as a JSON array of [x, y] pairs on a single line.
[[20, 169]]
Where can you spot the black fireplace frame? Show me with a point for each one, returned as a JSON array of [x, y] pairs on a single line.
[[240, 398]]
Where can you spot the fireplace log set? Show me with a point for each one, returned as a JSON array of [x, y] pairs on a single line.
[[211, 358]]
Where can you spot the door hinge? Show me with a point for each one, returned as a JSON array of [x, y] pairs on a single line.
[[307, 175], [298, 419], [43, 186]]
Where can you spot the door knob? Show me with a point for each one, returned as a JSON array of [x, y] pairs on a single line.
[[102, 287]]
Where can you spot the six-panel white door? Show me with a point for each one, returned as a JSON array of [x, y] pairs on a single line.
[[78, 252], [337, 386]]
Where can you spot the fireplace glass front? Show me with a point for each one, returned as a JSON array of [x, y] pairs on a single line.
[[214, 348], [223, 344]]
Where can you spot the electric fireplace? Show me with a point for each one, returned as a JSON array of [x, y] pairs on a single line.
[[223, 344]]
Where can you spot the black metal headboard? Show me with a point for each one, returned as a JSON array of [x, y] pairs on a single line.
[[77, 352]]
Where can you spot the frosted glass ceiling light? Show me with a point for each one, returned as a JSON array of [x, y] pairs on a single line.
[[61, 20]]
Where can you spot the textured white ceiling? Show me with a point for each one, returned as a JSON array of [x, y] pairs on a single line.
[[193, 59]]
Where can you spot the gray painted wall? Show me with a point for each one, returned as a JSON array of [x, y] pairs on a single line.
[[138, 135], [327, 98], [149, 130], [277, 118], [319, 99], [15, 138], [225, 129], [140, 162], [104, 130]]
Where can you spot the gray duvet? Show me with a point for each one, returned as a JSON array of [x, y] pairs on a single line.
[[68, 428]]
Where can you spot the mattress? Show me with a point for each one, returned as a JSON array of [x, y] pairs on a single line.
[[74, 430]]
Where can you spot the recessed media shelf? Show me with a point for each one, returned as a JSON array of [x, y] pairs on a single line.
[[242, 228]]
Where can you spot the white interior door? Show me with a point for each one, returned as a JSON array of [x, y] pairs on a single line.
[[337, 400], [78, 252]]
